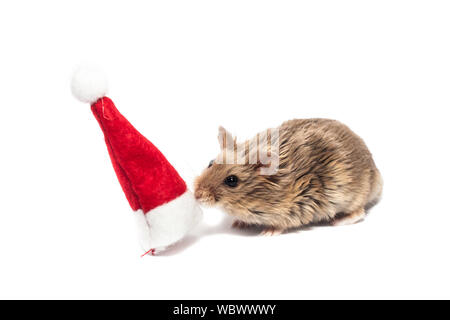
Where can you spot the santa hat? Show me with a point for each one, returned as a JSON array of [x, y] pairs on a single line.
[[165, 210]]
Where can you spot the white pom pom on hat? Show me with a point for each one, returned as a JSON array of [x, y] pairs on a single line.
[[89, 84]]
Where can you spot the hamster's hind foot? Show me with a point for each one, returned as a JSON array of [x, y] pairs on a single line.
[[350, 218]]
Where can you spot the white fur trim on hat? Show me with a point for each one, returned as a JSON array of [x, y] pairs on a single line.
[[167, 223], [89, 84]]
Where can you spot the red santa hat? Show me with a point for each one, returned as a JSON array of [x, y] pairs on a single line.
[[165, 210]]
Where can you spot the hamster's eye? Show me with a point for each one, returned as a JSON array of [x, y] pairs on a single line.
[[210, 163], [231, 181]]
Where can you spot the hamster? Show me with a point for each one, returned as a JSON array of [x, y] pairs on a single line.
[[325, 173]]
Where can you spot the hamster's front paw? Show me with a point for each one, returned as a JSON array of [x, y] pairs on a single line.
[[238, 224], [271, 231]]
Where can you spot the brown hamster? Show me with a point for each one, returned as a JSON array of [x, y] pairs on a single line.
[[325, 174]]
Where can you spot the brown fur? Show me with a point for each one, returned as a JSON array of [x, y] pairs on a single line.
[[324, 169]]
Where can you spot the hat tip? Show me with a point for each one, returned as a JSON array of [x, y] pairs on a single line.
[[89, 84]]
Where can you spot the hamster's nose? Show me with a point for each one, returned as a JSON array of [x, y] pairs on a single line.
[[198, 194], [204, 196]]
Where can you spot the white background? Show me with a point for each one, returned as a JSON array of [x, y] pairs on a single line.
[[177, 70]]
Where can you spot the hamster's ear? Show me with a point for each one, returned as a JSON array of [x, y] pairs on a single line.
[[263, 169], [225, 139]]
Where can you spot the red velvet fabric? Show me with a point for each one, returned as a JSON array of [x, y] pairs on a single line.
[[146, 177]]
